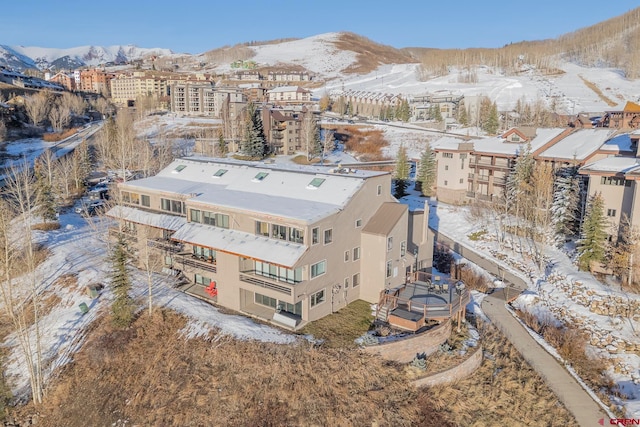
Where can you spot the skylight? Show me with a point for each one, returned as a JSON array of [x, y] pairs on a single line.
[[316, 182], [260, 176], [220, 172], [179, 168]]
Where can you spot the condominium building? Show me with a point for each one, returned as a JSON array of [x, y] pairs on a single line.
[[289, 95], [285, 244], [95, 80], [127, 87]]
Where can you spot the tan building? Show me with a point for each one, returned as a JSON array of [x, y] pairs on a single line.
[[626, 118], [284, 128], [288, 95], [96, 81], [65, 80], [288, 245], [194, 99], [127, 87], [452, 160]]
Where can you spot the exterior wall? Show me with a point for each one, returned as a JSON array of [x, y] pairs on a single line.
[[421, 238], [618, 198], [403, 351], [454, 374], [452, 174], [337, 281]]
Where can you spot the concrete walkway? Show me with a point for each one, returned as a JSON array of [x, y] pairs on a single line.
[[585, 410]]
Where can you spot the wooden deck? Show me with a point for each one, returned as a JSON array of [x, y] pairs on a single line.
[[425, 298]]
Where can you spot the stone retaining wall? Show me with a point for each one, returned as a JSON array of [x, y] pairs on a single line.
[[405, 350], [456, 373]]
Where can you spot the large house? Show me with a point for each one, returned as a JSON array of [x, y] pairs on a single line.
[[285, 244]]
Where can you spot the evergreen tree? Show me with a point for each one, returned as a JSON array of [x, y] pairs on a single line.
[[426, 174], [401, 172], [463, 116], [619, 258], [593, 242], [122, 308], [45, 199], [566, 201], [519, 186], [403, 111], [221, 148], [437, 115], [492, 122], [253, 144]]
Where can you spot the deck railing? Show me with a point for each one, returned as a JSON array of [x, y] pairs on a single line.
[[202, 264]]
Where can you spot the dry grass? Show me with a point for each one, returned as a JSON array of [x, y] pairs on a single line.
[[598, 92], [366, 143], [503, 391], [570, 342], [46, 226], [340, 329], [370, 55], [151, 375], [473, 279], [58, 136]]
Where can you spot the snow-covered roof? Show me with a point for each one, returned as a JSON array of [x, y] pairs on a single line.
[[499, 145], [241, 243], [579, 145], [613, 165], [447, 143], [295, 192], [166, 222], [287, 89]]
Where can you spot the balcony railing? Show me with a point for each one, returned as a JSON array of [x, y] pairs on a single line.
[[165, 245], [188, 259], [471, 194], [267, 284]]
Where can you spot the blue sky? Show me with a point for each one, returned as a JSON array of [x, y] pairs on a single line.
[[204, 25]]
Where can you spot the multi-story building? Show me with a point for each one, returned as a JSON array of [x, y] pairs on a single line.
[[284, 244], [127, 87], [289, 76], [367, 104], [64, 79], [447, 102], [193, 98], [96, 81], [626, 118], [284, 127], [288, 95]]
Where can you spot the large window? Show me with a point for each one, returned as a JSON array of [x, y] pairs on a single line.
[[389, 268], [317, 298], [262, 228], [145, 200], [614, 180], [202, 280], [215, 219], [356, 253], [276, 272], [281, 232], [356, 280], [194, 215], [204, 253], [318, 269], [174, 206]]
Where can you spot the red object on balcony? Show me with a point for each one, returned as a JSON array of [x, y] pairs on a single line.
[[211, 289]]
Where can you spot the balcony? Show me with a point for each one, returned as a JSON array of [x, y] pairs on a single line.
[[165, 245], [471, 194], [483, 178], [277, 135], [266, 283], [499, 181], [190, 260]]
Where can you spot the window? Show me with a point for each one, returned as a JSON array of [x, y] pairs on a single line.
[[379, 190], [260, 176], [265, 300], [202, 280], [461, 180], [315, 236], [179, 168], [358, 223], [346, 282], [194, 215], [219, 173], [291, 308], [145, 200], [611, 212], [389, 243], [296, 235], [346, 256], [262, 228], [175, 206], [279, 232], [328, 236], [446, 183], [203, 253], [275, 272], [446, 167], [447, 155], [403, 248], [316, 182], [389, 268], [317, 298], [356, 253], [613, 180], [356, 280], [318, 269]]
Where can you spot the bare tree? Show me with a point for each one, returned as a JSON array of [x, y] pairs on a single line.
[[59, 116], [72, 103], [37, 107], [310, 135], [101, 105], [22, 194], [116, 145]]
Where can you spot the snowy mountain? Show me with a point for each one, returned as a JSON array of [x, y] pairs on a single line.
[[21, 57]]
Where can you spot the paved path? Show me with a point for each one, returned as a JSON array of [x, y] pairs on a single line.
[[585, 410]]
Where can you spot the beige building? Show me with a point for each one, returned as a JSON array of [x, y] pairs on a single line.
[[288, 245], [127, 87], [288, 95]]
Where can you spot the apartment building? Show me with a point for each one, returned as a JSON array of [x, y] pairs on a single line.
[[452, 159], [285, 244], [626, 118], [447, 102], [368, 104], [288, 95], [63, 79], [289, 76], [189, 98], [127, 87], [284, 127], [95, 81]]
